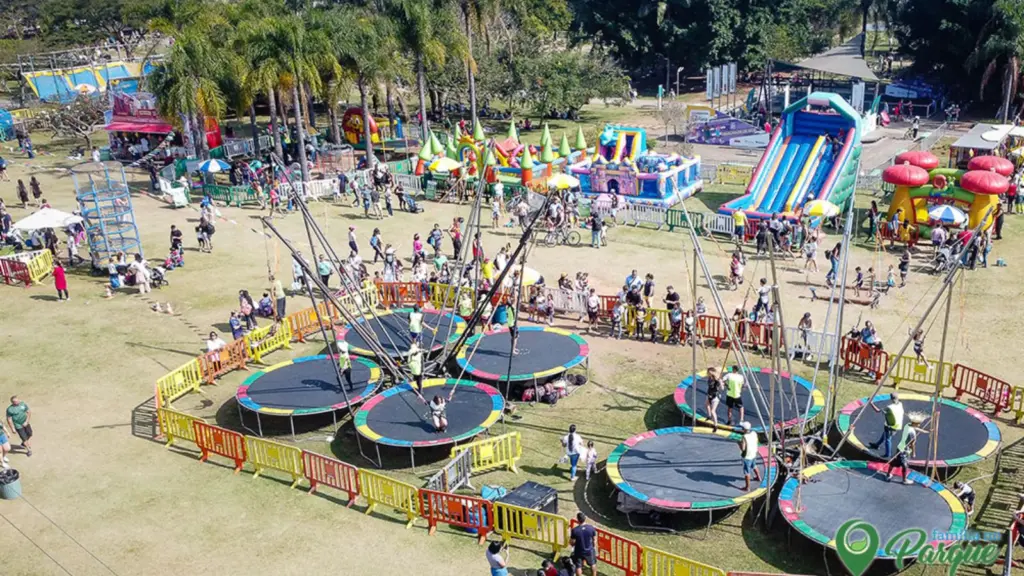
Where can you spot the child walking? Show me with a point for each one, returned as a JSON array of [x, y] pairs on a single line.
[[591, 458]]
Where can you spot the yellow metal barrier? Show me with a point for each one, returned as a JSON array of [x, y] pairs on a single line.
[[445, 295], [737, 174], [379, 489], [908, 369], [658, 563], [490, 453], [265, 454], [181, 381], [176, 425], [40, 266], [1017, 403], [532, 525], [263, 341]]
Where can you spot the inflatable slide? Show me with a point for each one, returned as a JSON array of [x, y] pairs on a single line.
[[800, 164]]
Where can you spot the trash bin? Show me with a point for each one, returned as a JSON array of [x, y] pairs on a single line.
[[10, 484]]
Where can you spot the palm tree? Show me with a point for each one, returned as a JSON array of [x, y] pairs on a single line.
[[186, 86], [423, 27], [1001, 45], [365, 43], [258, 45], [482, 12]]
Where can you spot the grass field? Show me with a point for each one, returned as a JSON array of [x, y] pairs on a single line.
[[99, 500]]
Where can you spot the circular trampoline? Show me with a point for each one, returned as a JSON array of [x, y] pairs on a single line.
[[391, 328], [543, 352], [683, 469], [788, 411], [305, 386], [839, 491], [965, 435], [396, 417]]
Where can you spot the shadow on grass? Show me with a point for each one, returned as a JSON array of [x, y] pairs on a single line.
[[144, 420], [44, 297], [663, 414]]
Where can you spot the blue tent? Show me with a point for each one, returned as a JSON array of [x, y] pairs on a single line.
[[6, 125]]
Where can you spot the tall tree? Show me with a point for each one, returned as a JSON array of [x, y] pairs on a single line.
[[423, 27], [365, 43], [1000, 50], [186, 85]]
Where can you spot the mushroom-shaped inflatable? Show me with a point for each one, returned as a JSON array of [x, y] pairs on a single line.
[[996, 164], [904, 177], [986, 187], [919, 158]]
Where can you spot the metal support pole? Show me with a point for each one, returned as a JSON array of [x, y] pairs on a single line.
[[934, 440]]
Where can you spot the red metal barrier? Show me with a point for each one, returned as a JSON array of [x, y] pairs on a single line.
[[330, 472], [756, 334], [461, 511], [220, 441], [864, 357], [712, 328], [216, 364], [616, 551], [14, 272], [982, 386], [606, 306]]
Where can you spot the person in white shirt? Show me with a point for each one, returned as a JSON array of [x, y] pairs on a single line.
[[495, 210], [763, 296], [95, 154], [591, 458], [748, 450], [573, 444], [144, 144], [593, 307], [966, 495], [214, 344]]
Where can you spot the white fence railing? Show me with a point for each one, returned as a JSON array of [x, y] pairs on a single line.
[[807, 342], [719, 224], [454, 475], [637, 214], [411, 183]]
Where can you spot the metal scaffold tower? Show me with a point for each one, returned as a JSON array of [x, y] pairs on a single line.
[[101, 189]]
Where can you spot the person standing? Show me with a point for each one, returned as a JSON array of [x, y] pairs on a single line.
[[415, 323], [375, 244], [344, 361], [5, 446], [739, 220], [893, 424], [19, 419], [748, 449], [596, 227], [352, 244], [323, 267], [141, 272], [497, 562], [582, 539], [415, 355], [906, 446], [763, 295], [734, 383], [713, 396], [280, 298], [60, 281], [573, 444]]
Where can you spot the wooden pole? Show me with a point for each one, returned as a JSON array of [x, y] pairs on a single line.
[[694, 342]]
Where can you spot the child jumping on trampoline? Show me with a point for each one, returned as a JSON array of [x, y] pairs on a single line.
[[415, 364], [748, 452], [437, 406], [715, 386], [344, 361], [734, 382]]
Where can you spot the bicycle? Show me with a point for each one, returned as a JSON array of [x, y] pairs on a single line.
[[562, 236]]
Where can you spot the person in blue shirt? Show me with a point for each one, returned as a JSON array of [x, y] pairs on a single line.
[[582, 539], [236, 326]]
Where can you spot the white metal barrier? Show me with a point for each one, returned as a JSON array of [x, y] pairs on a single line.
[[317, 189], [237, 147], [567, 302], [807, 342], [454, 475], [411, 183], [719, 224], [637, 214]]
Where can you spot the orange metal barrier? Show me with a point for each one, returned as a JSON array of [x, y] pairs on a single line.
[[712, 328], [216, 364], [220, 441], [463, 511], [401, 294], [986, 388], [756, 334], [614, 550], [331, 472], [864, 357], [303, 323]]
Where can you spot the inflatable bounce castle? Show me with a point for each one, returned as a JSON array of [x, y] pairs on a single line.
[[621, 164]]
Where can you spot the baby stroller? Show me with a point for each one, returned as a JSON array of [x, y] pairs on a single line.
[[158, 277], [944, 259], [411, 205]]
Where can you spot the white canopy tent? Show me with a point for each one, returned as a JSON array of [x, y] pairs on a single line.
[[46, 218]]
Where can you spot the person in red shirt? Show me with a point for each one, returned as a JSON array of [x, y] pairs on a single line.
[[60, 281]]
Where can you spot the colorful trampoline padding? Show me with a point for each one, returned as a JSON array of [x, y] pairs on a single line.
[[788, 413], [474, 408], [937, 504], [308, 367], [543, 352], [398, 331], [965, 434], [689, 472]]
